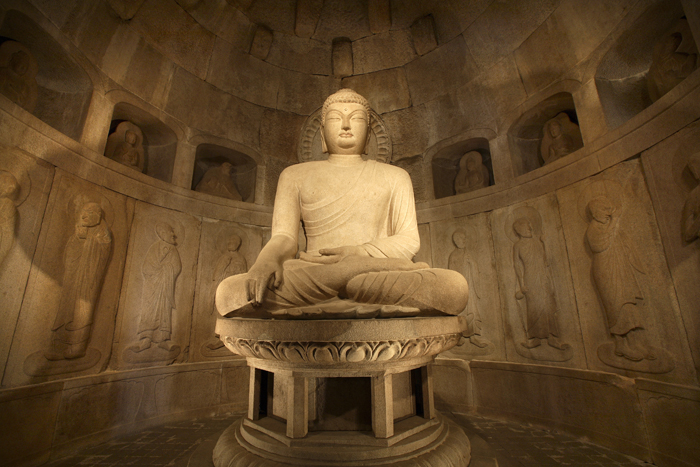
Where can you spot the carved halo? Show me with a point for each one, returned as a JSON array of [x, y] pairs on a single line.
[[530, 214], [224, 236], [608, 188], [309, 146], [18, 169], [470, 232]]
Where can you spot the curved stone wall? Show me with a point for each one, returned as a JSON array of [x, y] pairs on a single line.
[[439, 79]]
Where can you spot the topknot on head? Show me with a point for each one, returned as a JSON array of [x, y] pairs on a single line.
[[345, 95]]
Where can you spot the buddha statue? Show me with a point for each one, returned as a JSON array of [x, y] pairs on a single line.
[[360, 223], [217, 181], [472, 174]]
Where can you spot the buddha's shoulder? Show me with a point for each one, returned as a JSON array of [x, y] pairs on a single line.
[[391, 171]]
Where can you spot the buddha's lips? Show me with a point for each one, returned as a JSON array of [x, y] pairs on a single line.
[[345, 135]]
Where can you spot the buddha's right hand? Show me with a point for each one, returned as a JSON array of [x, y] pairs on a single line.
[[260, 276]]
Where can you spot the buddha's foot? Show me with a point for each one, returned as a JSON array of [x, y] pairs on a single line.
[[554, 341], [478, 341], [442, 290], [531, 343]]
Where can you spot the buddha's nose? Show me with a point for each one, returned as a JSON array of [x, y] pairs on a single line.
[[346, 124]]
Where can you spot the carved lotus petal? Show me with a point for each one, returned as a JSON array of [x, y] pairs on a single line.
[[414, 349], [293, 352], [324, 353], [387, 351], [266, 350], [358, 353]]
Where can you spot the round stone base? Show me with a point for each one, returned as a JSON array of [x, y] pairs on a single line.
[[439, 442]]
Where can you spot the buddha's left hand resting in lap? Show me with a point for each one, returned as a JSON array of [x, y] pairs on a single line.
[[360, 223]]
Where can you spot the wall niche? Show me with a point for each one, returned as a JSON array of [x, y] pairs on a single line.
[[545, 133], [224, 172], [462, 168], [40, 76], [656, 53], [142, 142]]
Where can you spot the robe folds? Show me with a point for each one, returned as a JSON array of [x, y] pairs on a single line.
[[161, 268]]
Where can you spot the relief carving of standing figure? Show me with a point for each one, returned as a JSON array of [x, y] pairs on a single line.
[[161, 269], [9, 189], [535, 287], [614, 270], [690, 220], [85, 263], [560, 137], [461, 262]]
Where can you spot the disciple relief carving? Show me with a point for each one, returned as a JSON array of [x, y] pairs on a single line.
[[217, 181], [560, 137], [85, 262], [231, 263], [535, 291], [463, 263], [690, 218], [618, 275], [9, 194], [668, 66], [125, 146], [18, 70], [472, 173], [161, 268]]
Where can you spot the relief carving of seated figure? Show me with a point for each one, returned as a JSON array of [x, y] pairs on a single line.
[[560, 137], [217, 181], [472, 174], [360, 223], [18, 70]]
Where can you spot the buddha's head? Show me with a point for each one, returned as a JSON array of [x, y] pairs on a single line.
[[345, 123], [131, 137], [166, 233], [523, 228], [8, 185], [234, 243], [227, 168], [601, 209], [459, 238], [554, 128], [90, 215], [19, 62]]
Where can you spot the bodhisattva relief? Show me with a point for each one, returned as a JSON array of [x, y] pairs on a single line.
[[217, 181], [161, 268], [690, 218], [18, 70], [618, 275], [9, 191], [560, 137], [85, 263], [125, 146], [231, 263], [668, 66], [462, 262], [472, 173], [360, 222], [535, 288]]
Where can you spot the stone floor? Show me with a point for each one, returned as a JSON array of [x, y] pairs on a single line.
[[495, 443]]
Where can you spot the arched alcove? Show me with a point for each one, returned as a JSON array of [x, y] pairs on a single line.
[[159, 140], [63, 89], [622, 77], [209, 159], [446, 165], [527, 135]]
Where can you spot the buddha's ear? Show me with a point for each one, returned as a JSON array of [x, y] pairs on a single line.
[[324, 148], [369, 135]]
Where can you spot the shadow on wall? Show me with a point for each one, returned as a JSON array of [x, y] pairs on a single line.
[[41, 77]]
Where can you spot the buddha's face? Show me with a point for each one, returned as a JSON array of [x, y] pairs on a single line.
[[555, 129], [20, 62], [167, 234], [460, 239], [601, 209], [345, 128], [130, 137], [234, 243], [523, 228], [90, 215]]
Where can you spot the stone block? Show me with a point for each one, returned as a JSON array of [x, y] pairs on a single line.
[[27, 423], [382, 51], [66, 323], [306, 18], [280, 134], [674, 191], [423, 33], [181, 38], [503, 26], [148, 73], [451, 16], [379, 13], [540, 314], [243, 75], [20, 231], [408, 131], [342, 19], [262, 41], [92, 25], [187, 391], [621, 278], [301, 93], [226, 21], [300, 54], [440, 71], [97, 408], [672, 415], [385, 90], [225, 249], [342, 57], [453, 385], [465, 245], [600, 406], [235, 381], [155, 308], [274, 14]]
